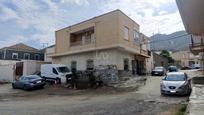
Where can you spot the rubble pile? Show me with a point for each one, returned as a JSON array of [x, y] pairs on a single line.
[[107, 73]]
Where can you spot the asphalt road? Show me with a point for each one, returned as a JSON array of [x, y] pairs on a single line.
[[146, 101]]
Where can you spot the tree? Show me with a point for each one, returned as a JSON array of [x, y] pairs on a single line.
[[165, 53]]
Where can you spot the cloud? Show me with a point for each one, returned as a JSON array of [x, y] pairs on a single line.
[[35, 22], [143, 12], [7, 14]]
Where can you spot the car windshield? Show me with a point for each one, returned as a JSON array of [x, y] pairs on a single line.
[[158, 68], [176, 77], [63, 69], [32, 77]]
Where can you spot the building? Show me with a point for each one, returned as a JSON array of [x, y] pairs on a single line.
[[185, 58], [160, 61], [109, 39], [20, 52], [192, 14], [48, 52]]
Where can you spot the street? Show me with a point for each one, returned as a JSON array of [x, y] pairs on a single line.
[[103, 101]]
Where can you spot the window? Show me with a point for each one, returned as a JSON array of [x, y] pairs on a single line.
[[37, 57], [126, 33], [14, 55], [1, 55], [90, 64], [136, 36], [88, 38], [126, 64], [54, 71], [74, 65], [26, 56]]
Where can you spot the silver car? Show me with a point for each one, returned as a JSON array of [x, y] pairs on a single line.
[[176, 83]]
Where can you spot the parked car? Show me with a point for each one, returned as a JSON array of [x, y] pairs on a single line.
[[28, 82], [158, 71], [55, 72], [176, 83], [185, 68], [195, 66], [172, 69]]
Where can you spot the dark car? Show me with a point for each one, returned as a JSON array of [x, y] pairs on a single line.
[[185, 68], [28, 82], [158, 71], [172, 69]]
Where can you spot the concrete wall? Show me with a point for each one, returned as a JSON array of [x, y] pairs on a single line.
[[158, 60], [102, 57], [150, 63], [30, 66], [7, 72], [48, 52], [6, 62], [105, 32]]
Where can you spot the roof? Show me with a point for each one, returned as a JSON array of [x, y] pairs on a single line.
[[100, 16], [175, 73], [21, 47]]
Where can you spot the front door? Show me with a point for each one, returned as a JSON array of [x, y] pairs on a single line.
[[134, 67]]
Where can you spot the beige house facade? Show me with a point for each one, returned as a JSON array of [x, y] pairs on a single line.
[[185, 58], [48, 52], [109, 39]]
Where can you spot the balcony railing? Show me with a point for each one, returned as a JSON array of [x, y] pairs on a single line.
[[78, 43], [196, 48]]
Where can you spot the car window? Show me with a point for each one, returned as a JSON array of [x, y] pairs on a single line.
[[21, 78], [63, 69], [175, 77], [54, 71]]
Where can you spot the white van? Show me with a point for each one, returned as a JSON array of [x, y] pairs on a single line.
[[58, 72]]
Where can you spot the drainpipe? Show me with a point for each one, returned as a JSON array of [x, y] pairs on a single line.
[[5, 53]]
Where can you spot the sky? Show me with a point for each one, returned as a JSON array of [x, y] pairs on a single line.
[[34, 22]]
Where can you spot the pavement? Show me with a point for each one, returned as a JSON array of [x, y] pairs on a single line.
[[145, 100], [196, 99]]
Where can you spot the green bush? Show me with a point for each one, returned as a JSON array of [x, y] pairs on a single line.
[[181, 110]]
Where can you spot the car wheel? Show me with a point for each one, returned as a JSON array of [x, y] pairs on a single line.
[[58, 80], [13, 86]]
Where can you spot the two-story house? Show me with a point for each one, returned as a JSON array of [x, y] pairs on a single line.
[[185, 58], [109, 39], [21, 52]]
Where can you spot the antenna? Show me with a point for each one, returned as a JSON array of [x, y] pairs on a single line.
[[44, 45]]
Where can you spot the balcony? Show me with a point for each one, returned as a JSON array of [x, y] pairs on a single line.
[[196, 48], [82, 37], [145, 52]]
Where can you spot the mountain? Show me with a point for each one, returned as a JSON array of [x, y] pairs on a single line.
[[172, 42]]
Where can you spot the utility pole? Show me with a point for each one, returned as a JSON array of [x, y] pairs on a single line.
[[44, 45]]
